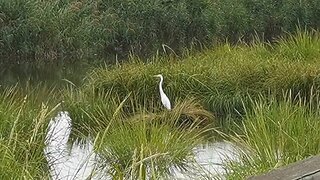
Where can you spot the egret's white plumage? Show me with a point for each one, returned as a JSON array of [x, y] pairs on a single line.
[[164, 98]]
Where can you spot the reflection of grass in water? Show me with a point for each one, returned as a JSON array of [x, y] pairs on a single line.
[[23, 126], [276, 133], [51, 72]]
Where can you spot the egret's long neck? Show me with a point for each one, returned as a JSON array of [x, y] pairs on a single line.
[[160, 85]]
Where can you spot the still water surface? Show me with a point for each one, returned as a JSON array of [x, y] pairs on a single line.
[[78, 160]]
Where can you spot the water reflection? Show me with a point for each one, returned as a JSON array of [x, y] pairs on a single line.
[[209, 161], [67, 161], [78, 161], [51, 73]]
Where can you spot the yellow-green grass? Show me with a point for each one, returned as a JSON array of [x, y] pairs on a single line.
[[147, 148], [229, 81], [221, 78]]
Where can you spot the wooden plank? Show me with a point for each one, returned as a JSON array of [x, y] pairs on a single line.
[[305, 169]]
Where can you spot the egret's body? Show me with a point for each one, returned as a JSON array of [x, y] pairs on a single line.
[[164, 98]]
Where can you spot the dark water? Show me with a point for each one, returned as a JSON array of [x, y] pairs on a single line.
[[50, 72]]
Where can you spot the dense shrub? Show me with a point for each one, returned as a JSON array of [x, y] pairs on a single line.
[[52, 28]]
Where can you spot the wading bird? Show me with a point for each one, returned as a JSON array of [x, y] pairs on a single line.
[[164, 98]]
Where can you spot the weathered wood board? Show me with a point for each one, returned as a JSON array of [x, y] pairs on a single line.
[[308, 169]]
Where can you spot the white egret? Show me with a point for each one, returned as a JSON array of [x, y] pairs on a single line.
[[164, 98]]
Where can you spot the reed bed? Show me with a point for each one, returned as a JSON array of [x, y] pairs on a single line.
[[54, 29]]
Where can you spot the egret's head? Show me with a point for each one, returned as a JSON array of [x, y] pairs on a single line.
[[158, 75]]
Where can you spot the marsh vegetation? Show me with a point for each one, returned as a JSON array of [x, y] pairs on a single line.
[[77, 28], [263, 98], [232, 73]]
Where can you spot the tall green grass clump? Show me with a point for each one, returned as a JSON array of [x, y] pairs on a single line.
[[267, 19], [52, 29], [301, 46], [148, 144], [22, 135], [275, 133], [143, 148], [144, 26], [139, 141], [91, 111], [43, 29]]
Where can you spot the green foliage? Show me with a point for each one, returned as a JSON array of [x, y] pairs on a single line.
[[52, 28], [301, 46], [57, 28], [232, 19], [41, 28], [276, 133]]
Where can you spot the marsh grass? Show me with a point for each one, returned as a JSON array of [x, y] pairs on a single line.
[[270, 92], [222, 78], [151, 145], [147, 149], [140, 140], [23, 127], [300, 46], [91, 110], [275, 133]]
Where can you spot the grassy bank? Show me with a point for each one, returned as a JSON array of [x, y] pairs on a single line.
[[53, 29], [223, 79]]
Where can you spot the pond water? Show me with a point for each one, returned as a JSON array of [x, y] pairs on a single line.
[[78, 160], [51, 73], [67, 161]]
